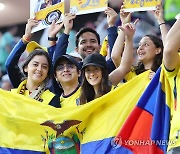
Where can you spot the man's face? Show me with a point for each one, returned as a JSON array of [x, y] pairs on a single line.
[[66, 72], [88, 44]]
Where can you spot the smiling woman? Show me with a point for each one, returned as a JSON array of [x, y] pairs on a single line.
[[31, 81], [95, 81]]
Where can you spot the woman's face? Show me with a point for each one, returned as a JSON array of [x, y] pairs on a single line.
[[37, 69], [93, 75], [147, 50]]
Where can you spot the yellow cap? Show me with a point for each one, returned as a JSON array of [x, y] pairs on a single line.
[[104, 48], [31, 46]]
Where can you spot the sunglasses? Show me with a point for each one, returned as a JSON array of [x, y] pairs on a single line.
[[61, 67]]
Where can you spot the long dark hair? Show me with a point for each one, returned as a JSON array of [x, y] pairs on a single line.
[[87, 90], [37, 52], [158, 58]]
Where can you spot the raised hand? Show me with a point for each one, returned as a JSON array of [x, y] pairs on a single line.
[[124, 16], [54, 29], [30, 24], [68, 22], [159, 13], [129, 28], [111, 16]]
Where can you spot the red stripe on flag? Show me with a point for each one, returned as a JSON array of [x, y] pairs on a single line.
[[135, 133]]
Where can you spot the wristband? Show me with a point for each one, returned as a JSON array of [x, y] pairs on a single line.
[[25, 39], [162, 24], [52, 38]]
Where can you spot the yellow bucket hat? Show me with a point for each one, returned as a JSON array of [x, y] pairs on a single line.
[[31, 46]]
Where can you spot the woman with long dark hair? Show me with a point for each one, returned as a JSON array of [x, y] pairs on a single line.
[[95, 79], [150, 50], [32, 79], [150, 53]]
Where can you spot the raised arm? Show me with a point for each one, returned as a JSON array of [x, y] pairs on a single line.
[[172, 46], [112, 29], [159, 16], [119, 73], [62, 44], [119, 43], [52, 38], [12, 68], [61, 48]]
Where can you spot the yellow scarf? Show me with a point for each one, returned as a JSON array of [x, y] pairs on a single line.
[[36, 94]]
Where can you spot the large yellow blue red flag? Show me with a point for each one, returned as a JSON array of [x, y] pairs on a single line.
[[147, 128], [29, 127]]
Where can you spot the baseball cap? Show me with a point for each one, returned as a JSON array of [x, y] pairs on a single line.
[[31, 46], [68, 58], [94, 60], [75, 54]]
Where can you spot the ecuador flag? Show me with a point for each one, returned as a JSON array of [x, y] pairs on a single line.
[[147, 128], [30, 127]]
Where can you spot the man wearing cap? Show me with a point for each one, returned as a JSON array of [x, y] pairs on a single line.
[[66, 72], [87, 39]]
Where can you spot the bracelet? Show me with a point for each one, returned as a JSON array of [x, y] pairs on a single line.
[[162, 24], [25, 39], [52, 38]]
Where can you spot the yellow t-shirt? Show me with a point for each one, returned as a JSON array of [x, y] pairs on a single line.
[[72, 100], [174, 81], [130, 75]]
